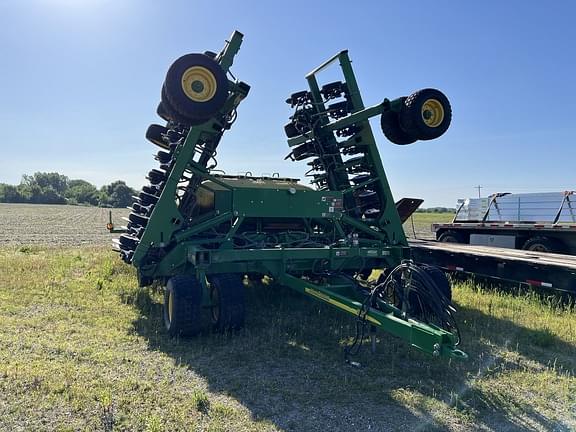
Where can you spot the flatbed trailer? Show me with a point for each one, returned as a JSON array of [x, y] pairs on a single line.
[[537, 269], [536, 222]]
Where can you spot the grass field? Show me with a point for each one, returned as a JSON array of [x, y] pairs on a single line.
[[83, 349], [419, 225]]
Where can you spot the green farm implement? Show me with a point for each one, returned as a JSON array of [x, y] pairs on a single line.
[[340, 241]]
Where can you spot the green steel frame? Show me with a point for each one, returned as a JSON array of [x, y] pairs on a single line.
[[175, 241]]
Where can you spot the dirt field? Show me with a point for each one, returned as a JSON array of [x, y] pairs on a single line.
[[39, 224]]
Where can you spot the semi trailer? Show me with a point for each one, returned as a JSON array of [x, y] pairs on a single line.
[[538, 222]]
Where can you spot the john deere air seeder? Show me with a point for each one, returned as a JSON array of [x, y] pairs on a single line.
[[201, 233]]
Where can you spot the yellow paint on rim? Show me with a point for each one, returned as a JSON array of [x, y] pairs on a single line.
[[199, 84], [432, 112], [170, 306]]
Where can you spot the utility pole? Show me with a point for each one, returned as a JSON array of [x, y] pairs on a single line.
[[478, 187]]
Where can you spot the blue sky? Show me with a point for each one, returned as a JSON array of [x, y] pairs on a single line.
[[81, 81]]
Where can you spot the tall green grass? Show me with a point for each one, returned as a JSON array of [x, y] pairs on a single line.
[[82, 348]]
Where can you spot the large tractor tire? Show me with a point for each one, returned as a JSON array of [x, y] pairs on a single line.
[[227, 300], [163, 112], [182, 306], [196, 87], [426, 114], [390, 124]]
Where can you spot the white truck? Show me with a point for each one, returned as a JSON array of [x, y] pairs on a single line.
[[542, 222]]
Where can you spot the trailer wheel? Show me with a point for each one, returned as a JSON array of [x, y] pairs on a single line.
[[543, 244], [196, 86], [390, 124], [227, 300], [426, 114], [154, 135], [182, 306], [450, 237]]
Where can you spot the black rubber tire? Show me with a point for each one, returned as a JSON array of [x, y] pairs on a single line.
[[372, 213], [290, 130], [138, 219], [162, 113], [361, 178], [156, 176], [303, 151], [129, 242], [185, 293], [173, 114], [367, 198], [126, 256], [163, 157], [227, 298], [136, 231], [543, 244], [181, 102], [451, 237], [412, 119], [439, 278], [390, 124], [151, 190], [299, 123], [154, 135]]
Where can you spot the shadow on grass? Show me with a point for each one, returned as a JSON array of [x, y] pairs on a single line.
[[512, 374], [287, 367]]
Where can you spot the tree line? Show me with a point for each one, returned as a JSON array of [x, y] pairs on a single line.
[[55, 188], [436, 210]]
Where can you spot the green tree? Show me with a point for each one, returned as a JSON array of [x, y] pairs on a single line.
[[10, 194], [116, 194], [44, 188], [82, 192]]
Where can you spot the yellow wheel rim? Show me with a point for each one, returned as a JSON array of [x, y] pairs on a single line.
[[199, 84], [432, 113], [170, 306]]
